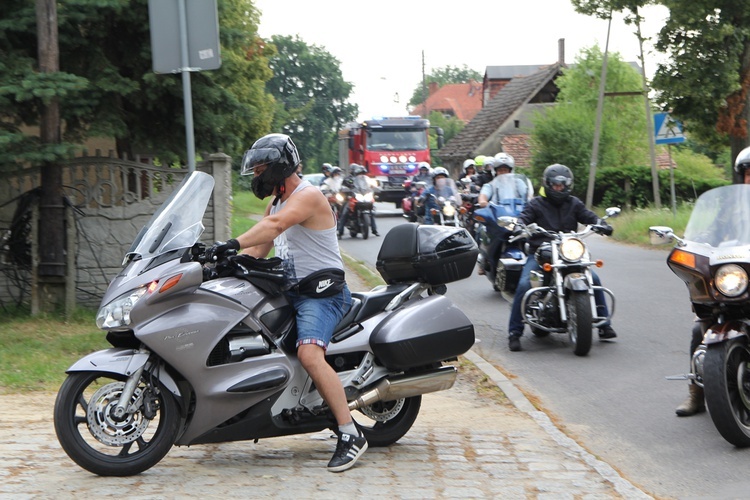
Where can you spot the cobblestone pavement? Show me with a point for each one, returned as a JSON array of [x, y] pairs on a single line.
[[463, 445]]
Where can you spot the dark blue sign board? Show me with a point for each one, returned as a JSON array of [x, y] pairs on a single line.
[[667, 130]]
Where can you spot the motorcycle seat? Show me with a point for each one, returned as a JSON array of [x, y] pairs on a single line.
[[365, 305]]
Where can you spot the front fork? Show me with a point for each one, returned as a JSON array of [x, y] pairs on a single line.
[[123, 405]]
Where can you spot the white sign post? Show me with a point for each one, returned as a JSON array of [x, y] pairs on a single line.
[[669, 131]]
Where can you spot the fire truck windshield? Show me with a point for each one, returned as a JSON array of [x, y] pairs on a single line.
[[396, 140]]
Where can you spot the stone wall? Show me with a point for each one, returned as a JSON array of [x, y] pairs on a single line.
[[109, 200]]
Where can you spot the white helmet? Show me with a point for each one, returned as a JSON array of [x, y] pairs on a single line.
[[743, 161], [504, 160], [439, 171], [468, 163]]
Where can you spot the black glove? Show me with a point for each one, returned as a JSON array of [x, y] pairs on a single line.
[[603, 228], [218, 249]]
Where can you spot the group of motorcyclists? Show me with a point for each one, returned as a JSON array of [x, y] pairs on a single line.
[[554, 208]]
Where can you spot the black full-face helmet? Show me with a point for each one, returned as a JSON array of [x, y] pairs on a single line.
[[279, 154], [557, 174]]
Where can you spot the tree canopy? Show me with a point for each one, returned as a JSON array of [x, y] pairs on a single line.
[[706, 77], [107, 88], [443, 76], [565, 133], [311, 99]]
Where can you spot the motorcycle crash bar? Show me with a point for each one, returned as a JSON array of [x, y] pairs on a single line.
[[406, 386]]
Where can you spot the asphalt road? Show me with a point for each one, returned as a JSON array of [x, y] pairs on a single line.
[[616, 402]]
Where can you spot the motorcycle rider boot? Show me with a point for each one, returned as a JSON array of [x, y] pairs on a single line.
[[514, 342], [348, 450], [693, 404], [607, 333]]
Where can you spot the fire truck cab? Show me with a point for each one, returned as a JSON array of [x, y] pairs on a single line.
[[390, 148]]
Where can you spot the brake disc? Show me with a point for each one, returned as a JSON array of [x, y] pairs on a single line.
[[102, 424], [383, 412]]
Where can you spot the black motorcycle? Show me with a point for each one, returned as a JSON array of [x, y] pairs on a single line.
[[713, 261], [561, 297]]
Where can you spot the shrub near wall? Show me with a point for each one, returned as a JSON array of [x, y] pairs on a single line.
[[632, 186]]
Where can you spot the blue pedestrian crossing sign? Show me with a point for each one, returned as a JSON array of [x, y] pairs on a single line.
[[667, 130]]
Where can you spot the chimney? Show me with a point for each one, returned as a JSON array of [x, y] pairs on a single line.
[[433, 87], [561, 51]]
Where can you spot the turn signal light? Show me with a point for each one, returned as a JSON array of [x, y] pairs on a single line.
[[170, 283], [682, 258]]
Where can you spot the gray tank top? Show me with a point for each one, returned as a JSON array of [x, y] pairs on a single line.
[[306, 251]]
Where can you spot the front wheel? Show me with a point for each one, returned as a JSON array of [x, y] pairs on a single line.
[[107, 445], [388, 421], [726, 383], [364, 224], [578, 307]]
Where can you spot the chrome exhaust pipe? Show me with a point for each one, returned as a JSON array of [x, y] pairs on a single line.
[[406, 386]]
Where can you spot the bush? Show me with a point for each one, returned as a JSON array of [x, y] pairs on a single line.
[[632, 186]]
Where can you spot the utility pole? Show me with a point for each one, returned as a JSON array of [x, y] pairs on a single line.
[[649, 118], [424, 90], [598, 126], [51, 269]]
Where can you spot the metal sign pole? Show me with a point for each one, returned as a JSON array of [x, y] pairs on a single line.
[[186, 89]]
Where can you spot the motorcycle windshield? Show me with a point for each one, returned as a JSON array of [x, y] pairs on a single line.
[[721, 217], [178, 222], [361, 184], [510, 194]]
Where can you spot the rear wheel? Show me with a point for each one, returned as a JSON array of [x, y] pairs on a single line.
[[385, 422], [726, 382], [578, 307], [103, 443]]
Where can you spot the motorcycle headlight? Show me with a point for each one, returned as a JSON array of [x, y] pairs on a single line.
[[731, 280], [449, 210], [340, 197], [359, 197], [117, 313], [369, 197], [572, 249]]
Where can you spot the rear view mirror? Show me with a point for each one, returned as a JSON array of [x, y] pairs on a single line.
[[660, 235]]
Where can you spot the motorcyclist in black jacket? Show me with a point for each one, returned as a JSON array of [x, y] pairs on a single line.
[[556, 209]]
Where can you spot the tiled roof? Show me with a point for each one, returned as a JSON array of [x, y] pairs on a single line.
[[515, 94], [462, 100]]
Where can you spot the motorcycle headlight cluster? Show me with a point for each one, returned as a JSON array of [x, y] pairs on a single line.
[[731, 280], [117, 313], [572, 249], [449, 210], [364, 197]]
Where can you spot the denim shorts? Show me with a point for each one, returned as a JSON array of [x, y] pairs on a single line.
[[317, 317]]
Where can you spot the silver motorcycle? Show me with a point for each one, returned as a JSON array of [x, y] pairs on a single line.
[[205, 353]]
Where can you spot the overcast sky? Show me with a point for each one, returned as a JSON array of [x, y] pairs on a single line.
[[380, 44]]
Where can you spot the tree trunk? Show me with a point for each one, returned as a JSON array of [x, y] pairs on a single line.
[[51, 269]]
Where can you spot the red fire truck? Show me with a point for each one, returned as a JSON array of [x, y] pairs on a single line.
[[390, 148]]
